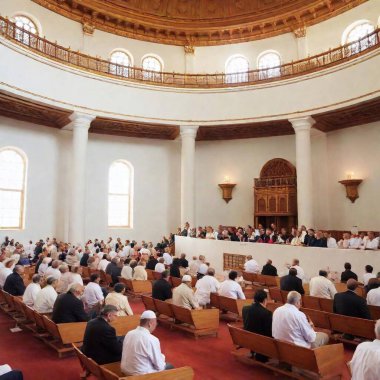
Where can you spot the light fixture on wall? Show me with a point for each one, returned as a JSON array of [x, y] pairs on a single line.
[[351, 186], [227, 188]]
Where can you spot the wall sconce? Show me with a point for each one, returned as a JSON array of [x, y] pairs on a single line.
[[227, 188], [351, 186]]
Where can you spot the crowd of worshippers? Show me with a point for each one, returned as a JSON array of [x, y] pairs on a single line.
[[302, 236]]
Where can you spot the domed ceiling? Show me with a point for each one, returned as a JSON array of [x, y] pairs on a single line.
[[198, 22]]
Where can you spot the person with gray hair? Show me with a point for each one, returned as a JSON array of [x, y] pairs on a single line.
[[53, 270], [118, 299], [365, 363], [31, 291], [291, 325], [46, 297], [206, 285]]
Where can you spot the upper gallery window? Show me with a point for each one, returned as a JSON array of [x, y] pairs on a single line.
[[152, 67], [25, 24], [120, 63], [268, 64], [237, 69], [354, 35]]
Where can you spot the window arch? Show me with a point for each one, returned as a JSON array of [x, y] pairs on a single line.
[[120, 63], [356, 31], [13, 165], [237, 68], [120, 197], [25, 23], [268, 63], [152, 66]]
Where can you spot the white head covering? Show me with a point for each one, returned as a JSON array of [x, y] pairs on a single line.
[[148, 314], [186, 278]]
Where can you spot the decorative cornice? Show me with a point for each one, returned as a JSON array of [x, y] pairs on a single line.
[[88, 27], [207, 22], [189, 49], [300, 32]]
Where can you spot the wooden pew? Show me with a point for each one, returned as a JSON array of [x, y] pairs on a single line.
[[234, 306], [150, 274], [112, 372], [250, 277], [275, 294], [325, 362], [89, 366], [123, 325], [148, 303], [164, 311], [326, 305], [175, 281], [197, 322], [375, 312], [214, 300], [269, 281], [137, 288], [311, 302]]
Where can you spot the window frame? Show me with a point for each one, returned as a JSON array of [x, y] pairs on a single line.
[[130, 195], [356, 46], [22, 192], [233, 77], [128, 69], [152, 75], [267, 70]]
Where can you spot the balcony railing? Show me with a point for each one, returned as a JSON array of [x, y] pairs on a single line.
[[97, 65]]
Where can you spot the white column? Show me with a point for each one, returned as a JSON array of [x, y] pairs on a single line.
[[80, 125], [189, 59], [302, 127], [302, 45], [188, 134]]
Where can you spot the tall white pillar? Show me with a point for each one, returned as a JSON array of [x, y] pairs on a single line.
[[80, 125], [302, 45], [302, 127], [188, 134], [189, 59]]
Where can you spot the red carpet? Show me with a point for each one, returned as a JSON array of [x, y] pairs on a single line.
[[210, 358]]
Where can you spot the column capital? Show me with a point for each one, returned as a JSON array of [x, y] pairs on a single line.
[[189, 130], [80, 119], [302, 123]]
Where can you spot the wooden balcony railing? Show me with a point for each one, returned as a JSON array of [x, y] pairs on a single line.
[[104, 67]]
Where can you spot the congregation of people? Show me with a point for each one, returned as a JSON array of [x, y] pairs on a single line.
[[57, 288]]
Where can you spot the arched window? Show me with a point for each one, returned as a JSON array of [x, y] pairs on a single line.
[[120, 184], [152, 67], [25, 24], [120, 63], [268, 64], [237, 69], [357, 31], [12, 188]]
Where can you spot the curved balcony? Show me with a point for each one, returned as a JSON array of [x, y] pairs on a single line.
[[100, 66]]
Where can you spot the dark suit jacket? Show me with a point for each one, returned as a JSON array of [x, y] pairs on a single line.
[[84, 259], [290, 283], [184, 263], [347, 274], [309, 240], [269, 270], [161, 290], [174, 271], [322, 243], [68, 308], [349, 303], [151, 264], [115, 271], [257, 319], [100, 342], [14, 284]]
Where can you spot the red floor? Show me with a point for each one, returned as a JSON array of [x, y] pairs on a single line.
[[210, 358]]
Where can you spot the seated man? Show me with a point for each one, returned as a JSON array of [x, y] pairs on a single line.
[[68, 307], [46, 297], [114, 270], [230, 288], [118, 299], [291, 282], [141, 350], [140, 274], [100, 342], [349, 303], [251, 265], [206, 285], [14, 283], [291, 325], [93, 295], [161, 289], [321, 286], [365, 364], [300, 271], [373, 295], [7, 373], [31, 291], [319, 240], [160, 266], [368, 274], [347, 274], [269, 269], [258, 319], [371, 242], [183, 294]]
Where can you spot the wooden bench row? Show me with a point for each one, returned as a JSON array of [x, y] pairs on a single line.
[[112, 371], [261, 279], [317, 303], [325, 362], [196, 322], [338, 324], [234, 307]]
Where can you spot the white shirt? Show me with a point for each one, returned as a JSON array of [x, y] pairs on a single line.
[[30, 294], [291, 325], [141, 353], [4, 273], [331, 243], [300, 271], [251, 266], [322, 287], [145, 251], [193, 267], [373, 297], [231, 289], [103, 263], [371, 244], [5, 369], [205, 286], [126, 272], [203, 268], [43, 268], [53, 272], [159, 267], [367, 277], [365, 364], [76, 278], [92, 294], [45, 299], [168, 258], [355, 242]]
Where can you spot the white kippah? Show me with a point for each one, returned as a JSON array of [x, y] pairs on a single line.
[[148, 314], [186, 278]]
